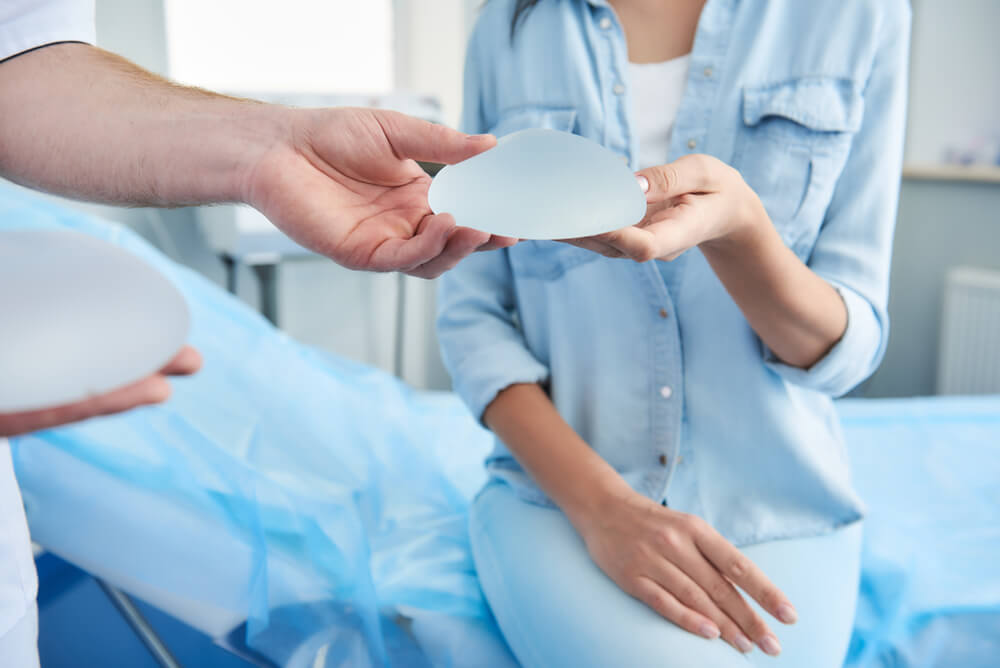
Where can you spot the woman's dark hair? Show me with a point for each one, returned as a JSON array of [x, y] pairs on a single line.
[[520, 11]]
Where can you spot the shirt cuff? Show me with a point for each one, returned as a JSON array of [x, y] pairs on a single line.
[[49, 22], [851, 360], [484, 374]]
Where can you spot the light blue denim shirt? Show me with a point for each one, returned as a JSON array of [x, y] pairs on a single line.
[[660, 372]]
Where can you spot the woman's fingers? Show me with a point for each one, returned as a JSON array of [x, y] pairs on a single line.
[[667, 605], [592, 244], [742, 572], [688, 174], [663, 234], [636, 243], [697, 597], [746, 625]]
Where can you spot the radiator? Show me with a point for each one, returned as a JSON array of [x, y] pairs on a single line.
[[969, 353]]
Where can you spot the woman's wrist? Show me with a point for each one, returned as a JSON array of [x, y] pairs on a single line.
[[601, 493], [750, 229]]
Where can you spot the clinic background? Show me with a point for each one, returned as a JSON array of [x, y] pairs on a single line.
[[408, 54]]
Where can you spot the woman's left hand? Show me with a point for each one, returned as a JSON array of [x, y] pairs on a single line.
[[695, 200]]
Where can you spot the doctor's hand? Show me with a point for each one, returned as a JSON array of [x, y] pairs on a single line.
[[683, 569], [151, 390], [694, 200], [344, 183]]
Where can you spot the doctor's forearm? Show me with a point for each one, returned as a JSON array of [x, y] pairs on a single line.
[[84, 123], [796, 313]]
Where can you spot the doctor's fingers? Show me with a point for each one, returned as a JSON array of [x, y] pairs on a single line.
[[460, 244], [496, 243], [407, 254], [184, 363], [430, 142], [152, 390]]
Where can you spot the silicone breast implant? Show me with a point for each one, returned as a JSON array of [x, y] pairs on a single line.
[[540, 184], [80, 317]]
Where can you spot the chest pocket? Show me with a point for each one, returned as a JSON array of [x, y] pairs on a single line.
[[542, 260], [793, 146]]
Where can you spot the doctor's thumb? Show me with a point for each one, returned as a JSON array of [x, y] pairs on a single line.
[[430, 142]]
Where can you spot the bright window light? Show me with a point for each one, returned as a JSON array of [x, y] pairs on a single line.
[[302, 46]]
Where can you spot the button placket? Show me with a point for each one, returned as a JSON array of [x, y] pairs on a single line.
[[711, 42], [668, 404], [612, 79]]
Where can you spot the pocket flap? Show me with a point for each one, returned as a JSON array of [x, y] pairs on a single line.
[[822, 104], [524, 118]]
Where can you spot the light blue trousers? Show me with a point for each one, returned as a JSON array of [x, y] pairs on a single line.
[[557, 608]]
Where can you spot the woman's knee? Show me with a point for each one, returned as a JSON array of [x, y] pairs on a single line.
[[556, 608]]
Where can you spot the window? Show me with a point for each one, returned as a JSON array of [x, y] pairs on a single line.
[[302, 46]]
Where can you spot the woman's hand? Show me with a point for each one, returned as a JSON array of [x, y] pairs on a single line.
[[693, 201], [682, 568], [344, 183]]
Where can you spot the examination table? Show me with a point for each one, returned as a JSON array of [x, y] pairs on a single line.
[[308, 511]]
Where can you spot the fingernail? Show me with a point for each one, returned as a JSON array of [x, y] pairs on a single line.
[[743, 644], [479, 137], [710, 631], [770, 646], [787, 614], [643, 183]]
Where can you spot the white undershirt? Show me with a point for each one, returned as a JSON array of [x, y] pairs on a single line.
[[657, 89], [25, 24]]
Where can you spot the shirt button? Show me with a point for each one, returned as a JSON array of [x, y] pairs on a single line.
[[663, 460], [619, 89], [692, 144], [679, 459], [663, 313], [708, 72], [666, 392], [605, 23]]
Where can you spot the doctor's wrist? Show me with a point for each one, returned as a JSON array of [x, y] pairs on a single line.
[[267, 134]]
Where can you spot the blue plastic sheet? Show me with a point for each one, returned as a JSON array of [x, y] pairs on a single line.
[[309, 498], [295, 505], [929, 470]]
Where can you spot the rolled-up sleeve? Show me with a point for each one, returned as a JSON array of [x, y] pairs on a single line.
[[481, 344], [26, 25], [854, 246]]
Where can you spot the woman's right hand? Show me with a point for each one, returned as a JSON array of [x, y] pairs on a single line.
[[684, 569]]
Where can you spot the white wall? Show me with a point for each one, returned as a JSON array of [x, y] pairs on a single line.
[[955, 91], [430, 38], [300, 46], [941, 225]]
